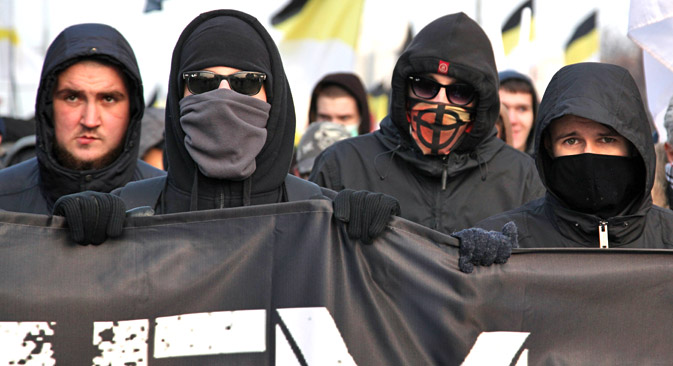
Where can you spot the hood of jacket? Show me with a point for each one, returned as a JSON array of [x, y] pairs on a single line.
[[76, 43], [353, 85], [606, 94], [456, 46], [273, 161]]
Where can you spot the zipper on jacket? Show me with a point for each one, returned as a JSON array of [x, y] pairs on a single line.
[[445, 173], [603, 234]]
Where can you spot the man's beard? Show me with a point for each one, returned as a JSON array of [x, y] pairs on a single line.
[[67, 160]]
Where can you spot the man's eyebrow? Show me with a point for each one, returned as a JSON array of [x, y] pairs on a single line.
[[567, 134], [67, 91], [113, 93]]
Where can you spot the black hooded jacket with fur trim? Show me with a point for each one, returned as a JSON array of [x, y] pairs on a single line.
[[481, 177], [34, 186], [607, 94]]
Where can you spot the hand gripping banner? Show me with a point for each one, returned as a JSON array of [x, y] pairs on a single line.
[[283, 285]]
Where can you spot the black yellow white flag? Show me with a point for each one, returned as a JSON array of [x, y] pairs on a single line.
[[511, 30], [585, 41], [319, 37]]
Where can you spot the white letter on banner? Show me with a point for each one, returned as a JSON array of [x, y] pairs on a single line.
[[316, 335], [497, 348], [25, 343], [241, 331], [121, 342]]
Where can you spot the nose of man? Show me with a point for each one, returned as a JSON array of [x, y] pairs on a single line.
[[90, 115], [224, 84]]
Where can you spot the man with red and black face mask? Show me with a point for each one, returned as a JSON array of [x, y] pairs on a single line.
[[437, 151]]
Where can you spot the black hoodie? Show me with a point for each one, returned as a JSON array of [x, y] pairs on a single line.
[[34, 185], [482, 176], [606, 94], [242, 43]]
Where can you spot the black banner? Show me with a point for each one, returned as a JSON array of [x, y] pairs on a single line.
[[283, 285]]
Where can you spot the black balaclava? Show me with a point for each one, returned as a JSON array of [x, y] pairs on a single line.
[[233, 39], [606, 94]]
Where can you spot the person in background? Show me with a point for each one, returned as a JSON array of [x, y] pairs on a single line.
[[595, 154], [88, 111], [518, 94], [341, 98], [667, 158], [437, 151], [503, 126], [317, 137]]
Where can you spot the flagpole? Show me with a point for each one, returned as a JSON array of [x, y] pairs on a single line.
[[12, 75]]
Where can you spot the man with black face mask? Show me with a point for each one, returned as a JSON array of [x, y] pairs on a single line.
[[437, 151], [594, 153]]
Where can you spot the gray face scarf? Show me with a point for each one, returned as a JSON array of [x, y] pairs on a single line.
[[224, 132]]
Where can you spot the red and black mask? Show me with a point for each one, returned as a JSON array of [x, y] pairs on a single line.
[[437, 127]]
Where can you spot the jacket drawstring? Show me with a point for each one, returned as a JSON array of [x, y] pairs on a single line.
[[392, 155], [194, 198], [247, 188], [483, 167]]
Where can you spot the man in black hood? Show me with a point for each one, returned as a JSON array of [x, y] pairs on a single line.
[[229, 120], [437, 151], [595, 155], [88, 111], [229, 137]]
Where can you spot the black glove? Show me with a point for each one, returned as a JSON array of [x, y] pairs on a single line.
[[483, 248], [365, 213], [92, 216]]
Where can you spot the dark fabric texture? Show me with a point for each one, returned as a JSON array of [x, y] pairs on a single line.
[[479, 247], [235, 39], [353, 85], [602, 185], [77, 42], [503, 76], [479, 178], [401, 301], [492, 179], [22, 190], [606, 94], [365, 213], [92, 217], [224, 153]]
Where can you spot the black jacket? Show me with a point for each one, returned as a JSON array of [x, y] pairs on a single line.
[[34, 186], [606, 94], [186, 188], [481, 177]]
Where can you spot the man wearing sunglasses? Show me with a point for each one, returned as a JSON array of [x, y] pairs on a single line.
[[594, 153], [230, 126], [88, 112], [437, 151]]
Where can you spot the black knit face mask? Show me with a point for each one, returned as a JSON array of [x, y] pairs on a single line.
[[603, 185]]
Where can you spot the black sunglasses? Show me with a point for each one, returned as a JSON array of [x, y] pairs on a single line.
[[458, 93], [244, 82]]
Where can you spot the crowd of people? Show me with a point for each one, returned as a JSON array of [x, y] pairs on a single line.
[[463, 146]]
